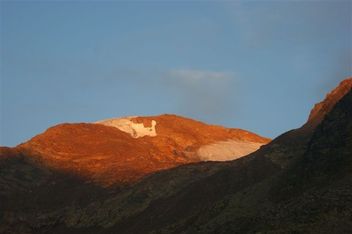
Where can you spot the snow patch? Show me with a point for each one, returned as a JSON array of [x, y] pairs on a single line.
[[227, 150], [126, 125]]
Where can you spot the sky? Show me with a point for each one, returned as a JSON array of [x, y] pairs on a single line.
[[259, 66]]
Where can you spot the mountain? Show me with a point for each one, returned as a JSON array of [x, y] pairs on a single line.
[[310, 192], [283, 149], [298, 183], [77, 164], [321, 109], [120, 151]]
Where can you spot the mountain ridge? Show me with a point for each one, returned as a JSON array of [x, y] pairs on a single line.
[[111, 156], [298, 183], [320, 109]]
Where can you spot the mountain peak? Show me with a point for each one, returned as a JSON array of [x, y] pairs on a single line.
[[122, 150], [320, 109]]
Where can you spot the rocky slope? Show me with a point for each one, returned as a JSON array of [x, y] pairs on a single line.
[[108, 154], [311, 193], [298, 183], [319, 111], [73, 165]]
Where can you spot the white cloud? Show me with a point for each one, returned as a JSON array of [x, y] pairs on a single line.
[[191, 75]]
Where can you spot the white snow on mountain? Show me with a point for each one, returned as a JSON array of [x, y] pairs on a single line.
[[125, 124], [227, 150]]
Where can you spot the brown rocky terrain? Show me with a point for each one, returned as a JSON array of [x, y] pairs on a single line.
[[320, 109], [108, 156], [263, 192], [298, 183]]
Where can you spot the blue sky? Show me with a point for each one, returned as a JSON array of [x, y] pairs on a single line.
[[259, 66]]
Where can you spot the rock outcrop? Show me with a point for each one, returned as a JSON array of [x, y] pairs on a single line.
[[322, 108]]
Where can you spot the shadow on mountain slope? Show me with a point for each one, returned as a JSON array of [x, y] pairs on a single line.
[[311, 194], [301, 182]]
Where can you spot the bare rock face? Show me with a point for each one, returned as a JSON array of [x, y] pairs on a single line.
[[320, 109], [283, 149], [122, 150]]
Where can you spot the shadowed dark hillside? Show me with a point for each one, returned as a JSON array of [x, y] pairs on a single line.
[[301, 182], [311, 195]]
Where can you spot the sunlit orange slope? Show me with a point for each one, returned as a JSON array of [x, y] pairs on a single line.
[[320, 109], [109, 156]]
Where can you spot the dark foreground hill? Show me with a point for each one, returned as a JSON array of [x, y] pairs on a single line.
[[301, 182]]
